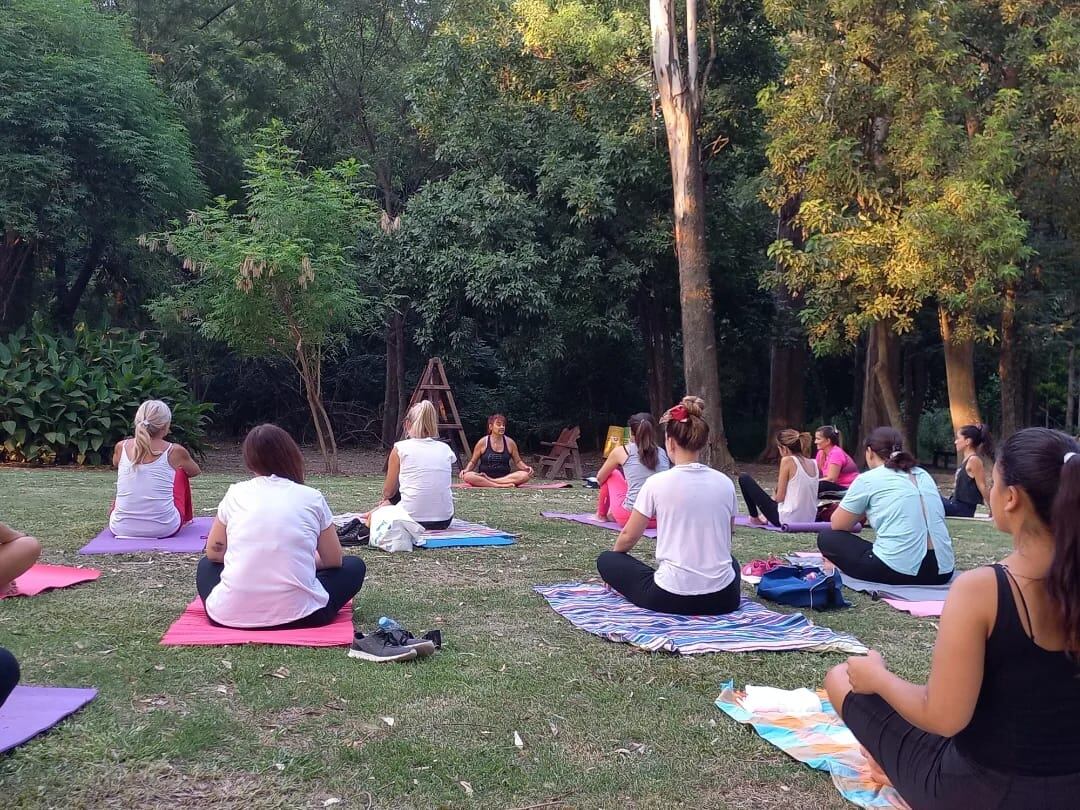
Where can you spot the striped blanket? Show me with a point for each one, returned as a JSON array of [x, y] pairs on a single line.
[[597, 609], [820, 740]]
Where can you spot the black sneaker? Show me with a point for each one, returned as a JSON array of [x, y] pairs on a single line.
[[403, 638], [378, 648], [354, 533], [592, 482]]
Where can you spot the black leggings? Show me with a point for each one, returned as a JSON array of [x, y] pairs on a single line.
[[931, 774], [9, 674], [830, 486], [341, 584], [955, 508], [855, 557], [434, 525], [758, 500], [634, 580]]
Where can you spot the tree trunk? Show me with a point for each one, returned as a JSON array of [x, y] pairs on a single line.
[[68, 296], [310, 368], [858, 394], [394, 398], [959, 374], [881, 400], [679, 101], [1070, 404], [16, 280], [659, 363], [787, 385], [1010, 371]]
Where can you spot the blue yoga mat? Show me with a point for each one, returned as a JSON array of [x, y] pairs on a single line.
[[455, 542]]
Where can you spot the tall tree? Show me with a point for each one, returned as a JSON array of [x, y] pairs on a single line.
[[681, 90]]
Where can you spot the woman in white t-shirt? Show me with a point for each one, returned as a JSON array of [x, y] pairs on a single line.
[[153, 488], [273, 559], [419, 472], [796, 486], [694, 506]]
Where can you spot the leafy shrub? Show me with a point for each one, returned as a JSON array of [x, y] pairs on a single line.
[[935, 433], [67, 398]]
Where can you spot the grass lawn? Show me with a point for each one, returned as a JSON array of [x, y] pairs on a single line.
[[603, 725]]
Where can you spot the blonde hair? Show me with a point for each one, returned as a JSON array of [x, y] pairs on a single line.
[[798, 443], [151, 421], [423, 421], [692, 431]]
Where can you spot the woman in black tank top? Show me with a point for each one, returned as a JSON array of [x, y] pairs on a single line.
[[997, 723], [495, 460], [969, 490]]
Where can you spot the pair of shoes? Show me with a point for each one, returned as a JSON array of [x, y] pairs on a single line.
[[592, 482], [391, 645], [757, 568], [354, 533]]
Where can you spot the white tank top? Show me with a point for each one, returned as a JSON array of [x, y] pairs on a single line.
[[144, 498], [800, 500]]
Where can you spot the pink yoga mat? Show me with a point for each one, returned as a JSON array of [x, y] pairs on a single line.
[[30, 710], [545, 485], [191, 539], [921, 609], [43, 577], [590, 519], [193, 628]]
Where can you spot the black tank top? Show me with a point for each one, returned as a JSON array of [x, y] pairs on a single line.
[[493, 463], [1027, 719], [966, 490]]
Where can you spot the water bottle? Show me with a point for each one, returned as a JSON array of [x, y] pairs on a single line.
[[388, 624]]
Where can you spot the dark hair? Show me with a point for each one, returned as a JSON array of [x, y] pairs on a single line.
[[887, 444], [269, 450], [495, 417], [831, 433], [798, 443], [979, 436], [644, 429], [691, 432], [1033, 459]]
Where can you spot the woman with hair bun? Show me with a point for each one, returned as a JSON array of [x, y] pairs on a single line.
[[628, 467], [836, 469], [694, 507], [153, 489], [796, 487], [969, 491], [995, 724], [901, 501]]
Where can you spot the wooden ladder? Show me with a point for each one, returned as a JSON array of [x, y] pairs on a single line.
[[435, 387]]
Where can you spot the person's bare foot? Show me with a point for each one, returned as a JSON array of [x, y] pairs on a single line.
[[876, 773], [11, 589], [758, 520]]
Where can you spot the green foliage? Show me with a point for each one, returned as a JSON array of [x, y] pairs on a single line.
[[70, 398], [281, 276]]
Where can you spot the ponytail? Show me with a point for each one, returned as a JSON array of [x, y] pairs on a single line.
[[1046, 465], [644, 429], [798, 443], [887, 444], [979, 436], [833, 435], [151, 421]]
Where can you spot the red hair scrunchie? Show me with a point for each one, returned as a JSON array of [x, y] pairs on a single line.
[[679, 414]]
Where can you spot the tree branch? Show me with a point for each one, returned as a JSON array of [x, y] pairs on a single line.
[[203, 25]]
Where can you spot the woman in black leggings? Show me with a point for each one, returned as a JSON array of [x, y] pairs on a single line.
[[9, 674], [996, 724]]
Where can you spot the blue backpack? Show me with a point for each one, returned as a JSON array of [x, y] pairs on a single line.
[[803, 586]]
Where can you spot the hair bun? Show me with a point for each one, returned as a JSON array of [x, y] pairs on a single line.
[[695, 406]]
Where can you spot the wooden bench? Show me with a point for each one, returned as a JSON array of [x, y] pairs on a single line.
[[563, 458], [946, 459]]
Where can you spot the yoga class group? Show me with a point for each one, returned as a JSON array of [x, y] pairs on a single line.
[[997, 723]]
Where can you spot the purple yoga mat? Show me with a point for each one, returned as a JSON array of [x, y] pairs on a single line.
[[818, 526], [31, 710], [591, 520], [191, 539]]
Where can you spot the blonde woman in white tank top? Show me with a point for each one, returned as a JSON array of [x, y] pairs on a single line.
[[796, 489], [153, 496]]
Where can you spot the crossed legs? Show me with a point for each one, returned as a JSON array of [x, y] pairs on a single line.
[[514, 479], [18, 552]]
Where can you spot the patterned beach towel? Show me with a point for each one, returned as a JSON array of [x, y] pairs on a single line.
[[601, 611], [820, 740]]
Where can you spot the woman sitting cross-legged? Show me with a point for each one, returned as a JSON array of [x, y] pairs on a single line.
[[9, 674], [972, 441], [901, 501], [837, 470], [495, 460], [18, 553], [419, 472], [996, 723], [273, 559], [796, 489], [627, 468], [153, 492], [694, 506]]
